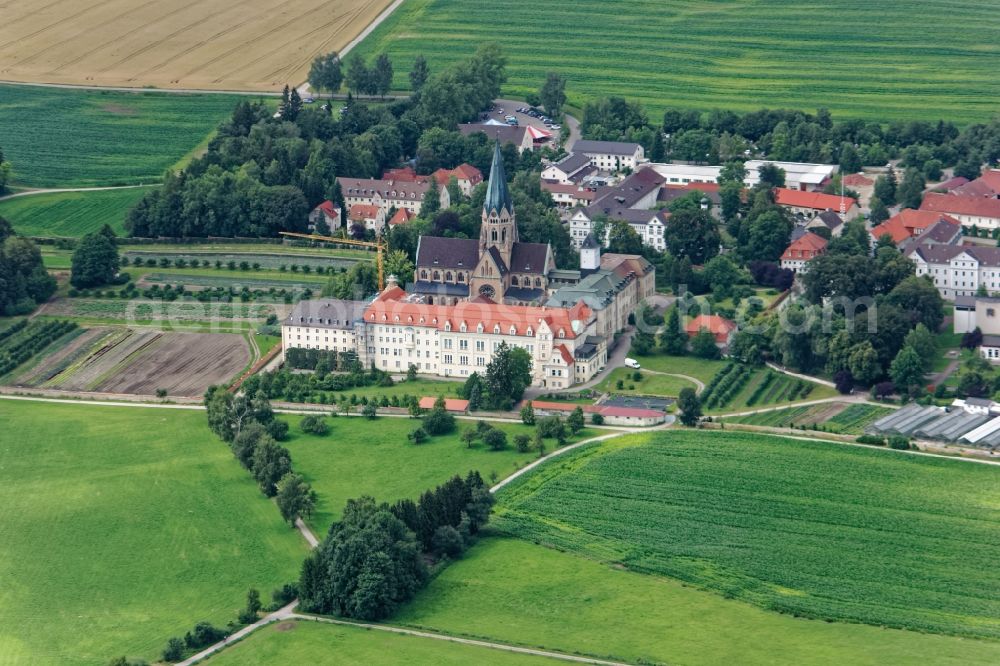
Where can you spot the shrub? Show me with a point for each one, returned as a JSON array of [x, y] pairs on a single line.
[[899, 443], [597, 419], [418, 436], [203, 635], [438, 422], [522, 443], [277, 429], [370, 411], [314, 425], [872, 440], [550, 427], [285, 594], [174, 651], [495, 439]]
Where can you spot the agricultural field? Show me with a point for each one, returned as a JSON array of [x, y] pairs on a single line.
[[117, 537], [810, 529], [140, 362], [510, 590], [362, 457], [200, 45], [727, 55], [263, 260], [648, 384], [737, 387], [213, 317], [835, 417], [305, 642], [70, 214], [59, 138], [225, 279], [22, 341]]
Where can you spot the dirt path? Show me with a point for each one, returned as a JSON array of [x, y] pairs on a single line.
[[283, 613], [28, 193], [697, 382], [809, 378], [851, 399]]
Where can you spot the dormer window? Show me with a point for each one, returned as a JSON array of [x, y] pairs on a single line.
[[447, 326], [513, 331], [496, 329], [530, 332], [462, 327], [479, 329]]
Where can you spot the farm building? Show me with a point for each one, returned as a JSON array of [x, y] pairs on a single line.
[[613, 415], [971, 421]]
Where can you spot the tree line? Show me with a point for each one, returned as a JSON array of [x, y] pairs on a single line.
[[24, 282]]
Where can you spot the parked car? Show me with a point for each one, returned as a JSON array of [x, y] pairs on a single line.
[[632, 363]]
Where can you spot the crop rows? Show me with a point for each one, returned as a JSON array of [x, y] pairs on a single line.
[[723, 55], [805, 528], [18, 349], [727, 388], [854, 419]]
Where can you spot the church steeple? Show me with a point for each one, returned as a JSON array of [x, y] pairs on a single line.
[[497, 195]]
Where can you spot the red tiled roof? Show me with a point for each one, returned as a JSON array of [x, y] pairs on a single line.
[[718, 326], [961, 205], [402, 216], [461, 172], [328, 208], [814, 200], [992, 178], [566, 355], [388, 308], [361, 212], [450, 404], [951, 183], [857, 180], [808, 245], [404, 175]]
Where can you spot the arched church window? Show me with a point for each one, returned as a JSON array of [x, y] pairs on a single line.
[[436, 276]]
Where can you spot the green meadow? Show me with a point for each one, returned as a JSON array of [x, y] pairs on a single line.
[[122, 527], [80, 138], [924, 61], [70, 214]]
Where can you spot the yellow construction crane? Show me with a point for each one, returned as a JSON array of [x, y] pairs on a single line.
[[379, 245]]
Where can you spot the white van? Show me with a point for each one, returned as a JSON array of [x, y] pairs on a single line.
[[632, 363]]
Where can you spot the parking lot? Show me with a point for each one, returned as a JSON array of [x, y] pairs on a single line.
[[505, 107]]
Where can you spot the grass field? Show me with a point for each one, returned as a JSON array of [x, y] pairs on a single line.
[[649, 384], [123, 527], [510, 590], [860, 59], [360, 457], [681, 365], [811, 529], [70, 214], [304, 642], [62, 138], [201, 45]]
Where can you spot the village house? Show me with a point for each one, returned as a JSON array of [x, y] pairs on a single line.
[[371, 217], [910, 223], [828, 221], [571, 170], [802, 250], [723, 329], [611, 155], [401, 216], [326, 212], [466, 175]]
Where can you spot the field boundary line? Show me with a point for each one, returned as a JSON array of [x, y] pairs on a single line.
[[283, 613], [457, 639], [61, 190], [849, 400]]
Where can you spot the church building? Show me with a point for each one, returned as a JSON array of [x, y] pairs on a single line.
[[498, 268]]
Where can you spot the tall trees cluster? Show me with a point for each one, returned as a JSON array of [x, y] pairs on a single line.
[[95, 261], [373, 559], [24, 282]]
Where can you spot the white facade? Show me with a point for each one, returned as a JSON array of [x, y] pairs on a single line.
[[649, 224], [961, 274], [684, 174], [798, 175], [611, 155]]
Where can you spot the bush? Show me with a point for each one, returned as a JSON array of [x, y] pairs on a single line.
[[871, 440], [550, 427], [495, 439], [314, 425], [370, 411], [522, 443], [277, 429], [174, 651], [203, 635], [438, 422], [285, 594], [899, 443], [418, 436], [597, 419]]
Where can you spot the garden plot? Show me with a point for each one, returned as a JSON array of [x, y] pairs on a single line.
[[149, 310], [263, 259], [141, 362]]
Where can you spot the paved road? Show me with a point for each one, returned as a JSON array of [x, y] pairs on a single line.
[[281, 614], [694, 380]]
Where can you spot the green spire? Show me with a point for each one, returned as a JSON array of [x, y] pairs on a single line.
[[497, 194]]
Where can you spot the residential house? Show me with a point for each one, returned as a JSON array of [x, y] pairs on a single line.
[[401, 216], [801, 251], [467, 176], [611, 155], [327, 212], [828, 220], [910, 223], [571, 170], [723, 329], [370, 216]]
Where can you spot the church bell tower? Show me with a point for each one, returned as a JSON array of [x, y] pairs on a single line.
[[499, 228]]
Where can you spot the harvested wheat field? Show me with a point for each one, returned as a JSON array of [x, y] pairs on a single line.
[[132, 361], [204, 44]]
